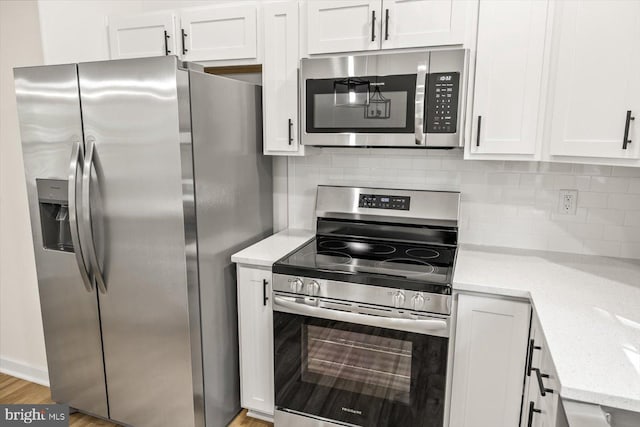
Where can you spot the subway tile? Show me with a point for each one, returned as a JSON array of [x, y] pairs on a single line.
[[601, 248], [609, 184], [343, 161], [634, 186], [520, 196], [458, 164], [626, 171], [605, 216], [579, 217], [632, 218], [583, 183], [588, 199], [426, 163], [624, 201], [533, 212], [546, 167], [504, 179], [564, 242], [520, 166], [621, 233], [586, 231], [567, 182], [597, 170], [630, 250]]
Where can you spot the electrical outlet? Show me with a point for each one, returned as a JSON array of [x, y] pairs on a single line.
[[568, 202]]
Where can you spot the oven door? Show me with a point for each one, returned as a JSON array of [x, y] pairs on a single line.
[[359, 369]]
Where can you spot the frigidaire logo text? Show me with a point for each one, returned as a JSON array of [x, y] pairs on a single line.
[[352, 411]]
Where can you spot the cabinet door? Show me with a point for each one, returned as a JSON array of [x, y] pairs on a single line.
[[489, 361], [219, 32], [255, 330], [343, 26], [417, 23], [509, 66], [280, 78], [137, 36], [597, 64]]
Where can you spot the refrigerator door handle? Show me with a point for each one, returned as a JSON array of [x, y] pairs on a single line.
[[74, 188], [86, 215]]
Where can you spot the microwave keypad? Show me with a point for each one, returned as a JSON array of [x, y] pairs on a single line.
[[400, 203], [442, 102]]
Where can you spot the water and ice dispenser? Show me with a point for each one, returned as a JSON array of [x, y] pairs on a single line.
[[54, 214]]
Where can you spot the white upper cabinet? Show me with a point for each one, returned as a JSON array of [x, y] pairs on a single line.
[[596, 79], [221, 32], [360, 25], [280, 78], [489, 361], [508, 77], [416, 23], [343, 26], [137, 36]]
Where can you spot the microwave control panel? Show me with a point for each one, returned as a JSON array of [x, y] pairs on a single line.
[[441, 114], [399, 203]]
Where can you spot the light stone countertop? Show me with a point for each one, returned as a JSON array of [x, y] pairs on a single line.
[[589, 309], [269, 250]]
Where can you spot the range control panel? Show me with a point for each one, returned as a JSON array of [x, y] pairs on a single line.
[[441, 114], [400, 203]]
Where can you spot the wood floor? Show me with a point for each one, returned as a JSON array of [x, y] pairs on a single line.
[[15, 390]]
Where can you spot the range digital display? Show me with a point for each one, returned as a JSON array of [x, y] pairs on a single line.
[[376, 201]]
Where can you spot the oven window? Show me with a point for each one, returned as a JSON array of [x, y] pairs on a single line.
[[367, 364], [358, 374], [368, 104]]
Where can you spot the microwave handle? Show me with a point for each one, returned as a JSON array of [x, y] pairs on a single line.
[[421, 93], [433, 326]]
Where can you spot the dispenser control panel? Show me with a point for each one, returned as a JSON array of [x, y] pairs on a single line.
[[377, 201]]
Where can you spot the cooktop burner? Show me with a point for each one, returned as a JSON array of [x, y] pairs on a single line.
[[382, 263]]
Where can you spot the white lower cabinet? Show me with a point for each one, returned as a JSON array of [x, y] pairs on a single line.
[[255, 330], [489, 361], [540, 403]]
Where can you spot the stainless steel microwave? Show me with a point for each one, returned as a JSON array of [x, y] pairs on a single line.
[[410, 100]]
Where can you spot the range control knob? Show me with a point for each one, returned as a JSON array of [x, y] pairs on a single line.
[[296, 285], [313, 288], [418, 301], [398, 299]]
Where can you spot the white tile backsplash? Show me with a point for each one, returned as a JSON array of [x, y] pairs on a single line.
[[511, 204]]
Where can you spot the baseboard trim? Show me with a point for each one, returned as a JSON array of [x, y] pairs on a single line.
[[24, 371]]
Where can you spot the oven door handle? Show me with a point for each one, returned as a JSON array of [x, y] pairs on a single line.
[[433, 326]]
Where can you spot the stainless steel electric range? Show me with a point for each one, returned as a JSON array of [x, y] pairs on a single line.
[[362, 311]]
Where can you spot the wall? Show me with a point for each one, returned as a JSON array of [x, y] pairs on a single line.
[[503, 203], [21, 338]]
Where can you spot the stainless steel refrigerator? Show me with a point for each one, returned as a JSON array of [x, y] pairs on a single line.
[[143, 177]]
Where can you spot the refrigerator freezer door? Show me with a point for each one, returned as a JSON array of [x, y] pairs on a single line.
[[50, 127], [234, 205], [131, 113]]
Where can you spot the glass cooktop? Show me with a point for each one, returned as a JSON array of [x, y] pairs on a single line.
[[382, 263]]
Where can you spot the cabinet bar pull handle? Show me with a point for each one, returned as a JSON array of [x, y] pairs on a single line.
[[184, 46], [532, 347], [478, 134], [265, 298], [532, 410], [166, 43], [627, 123], [386, 24], [540, 375], [290, 131], [373, 25]]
